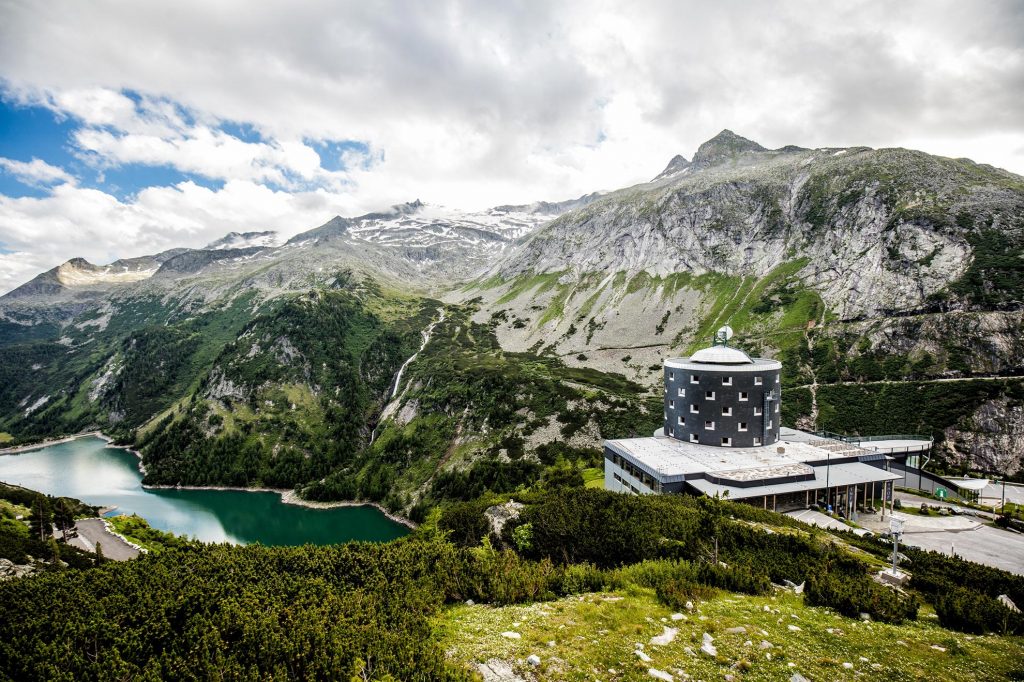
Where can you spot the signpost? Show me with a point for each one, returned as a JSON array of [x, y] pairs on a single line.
[[940, 493], [896, 528]]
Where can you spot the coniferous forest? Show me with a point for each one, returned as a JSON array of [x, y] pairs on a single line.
[[362, 611]]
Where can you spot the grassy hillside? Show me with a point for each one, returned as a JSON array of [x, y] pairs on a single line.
[[398, 610]]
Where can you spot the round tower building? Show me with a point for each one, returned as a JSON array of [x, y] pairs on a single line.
[[721, 396]]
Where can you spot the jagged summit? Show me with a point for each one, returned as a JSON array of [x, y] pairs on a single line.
[[676, 166], [724, 145], [241, 240]]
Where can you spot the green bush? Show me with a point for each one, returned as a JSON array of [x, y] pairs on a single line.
[[966, 610], [852, 596]]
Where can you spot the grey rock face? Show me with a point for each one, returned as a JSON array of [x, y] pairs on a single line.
[[992, 439]]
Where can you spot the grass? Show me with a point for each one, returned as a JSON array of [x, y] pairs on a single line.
[[593, 477], [5, 437], [138, 531], [594, 636]]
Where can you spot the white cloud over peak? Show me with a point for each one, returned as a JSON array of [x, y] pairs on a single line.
[[472, 104]]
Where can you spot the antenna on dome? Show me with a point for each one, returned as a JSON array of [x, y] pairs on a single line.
[[723, 335]]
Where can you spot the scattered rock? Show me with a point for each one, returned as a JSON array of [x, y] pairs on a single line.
[[511, 635], [9, 569], [1005, 600], [799, 589], [797, 677], [470, 602], [497, 670], [863, 660], [748, 643], [689, 606], [707, 639], [765, 644], [666, 637], [709, 649], [865, 616], [500, 514], [738, 630], [533, 659], [690, 651], [551, 643], [938, 648], [660, 675], [766, 608], [848, 665], [793, 628], [678, 616], [642, 656]]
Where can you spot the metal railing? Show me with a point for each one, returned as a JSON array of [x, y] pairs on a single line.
[[869, 439]]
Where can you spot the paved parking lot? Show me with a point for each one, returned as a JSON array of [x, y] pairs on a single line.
[[965, 536]]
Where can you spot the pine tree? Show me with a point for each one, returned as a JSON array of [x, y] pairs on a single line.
[[64, 516], [41, 519]]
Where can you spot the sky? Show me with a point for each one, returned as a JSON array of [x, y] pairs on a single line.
[[130, 128]]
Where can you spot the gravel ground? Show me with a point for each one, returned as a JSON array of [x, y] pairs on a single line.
[[91, 531]]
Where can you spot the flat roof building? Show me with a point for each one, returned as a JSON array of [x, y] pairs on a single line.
[[722, 436]]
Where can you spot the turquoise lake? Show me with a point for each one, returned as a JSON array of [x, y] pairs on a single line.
[[91, 471]]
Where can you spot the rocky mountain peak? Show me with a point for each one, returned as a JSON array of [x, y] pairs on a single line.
[[677, 165], [722, 146], [241, 240]]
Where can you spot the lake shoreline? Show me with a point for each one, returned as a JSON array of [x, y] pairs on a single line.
[[288, 496]]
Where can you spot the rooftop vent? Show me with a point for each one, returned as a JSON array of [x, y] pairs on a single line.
[[721, 355]]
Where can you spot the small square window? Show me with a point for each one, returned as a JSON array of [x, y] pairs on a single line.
[[681, 420], [726, 441], [757, 411], [769, 423], [682, 393], [776, 408], [743, 395], [726, 411], [709, 425], [671, 404], [710, 395], [776, 378], [743, 426], [758, 381], [694, 438], [727, 381], [757, 441], [693, 409], [671, 376], [694, 379]]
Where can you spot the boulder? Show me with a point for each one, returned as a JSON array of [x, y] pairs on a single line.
[[659, 675], [533, 659], [666, 637]]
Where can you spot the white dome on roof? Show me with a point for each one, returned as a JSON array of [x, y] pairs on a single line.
[[721, 355]]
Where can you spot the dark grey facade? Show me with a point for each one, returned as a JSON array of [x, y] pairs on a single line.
[[727, 405]]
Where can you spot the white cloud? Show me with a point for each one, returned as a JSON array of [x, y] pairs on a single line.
[[76, 221], [474, 104], [35, 173]]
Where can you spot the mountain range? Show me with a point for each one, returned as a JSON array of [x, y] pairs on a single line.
[[889, 281]]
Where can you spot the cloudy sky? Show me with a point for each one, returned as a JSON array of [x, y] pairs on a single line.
[[128, 128]]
